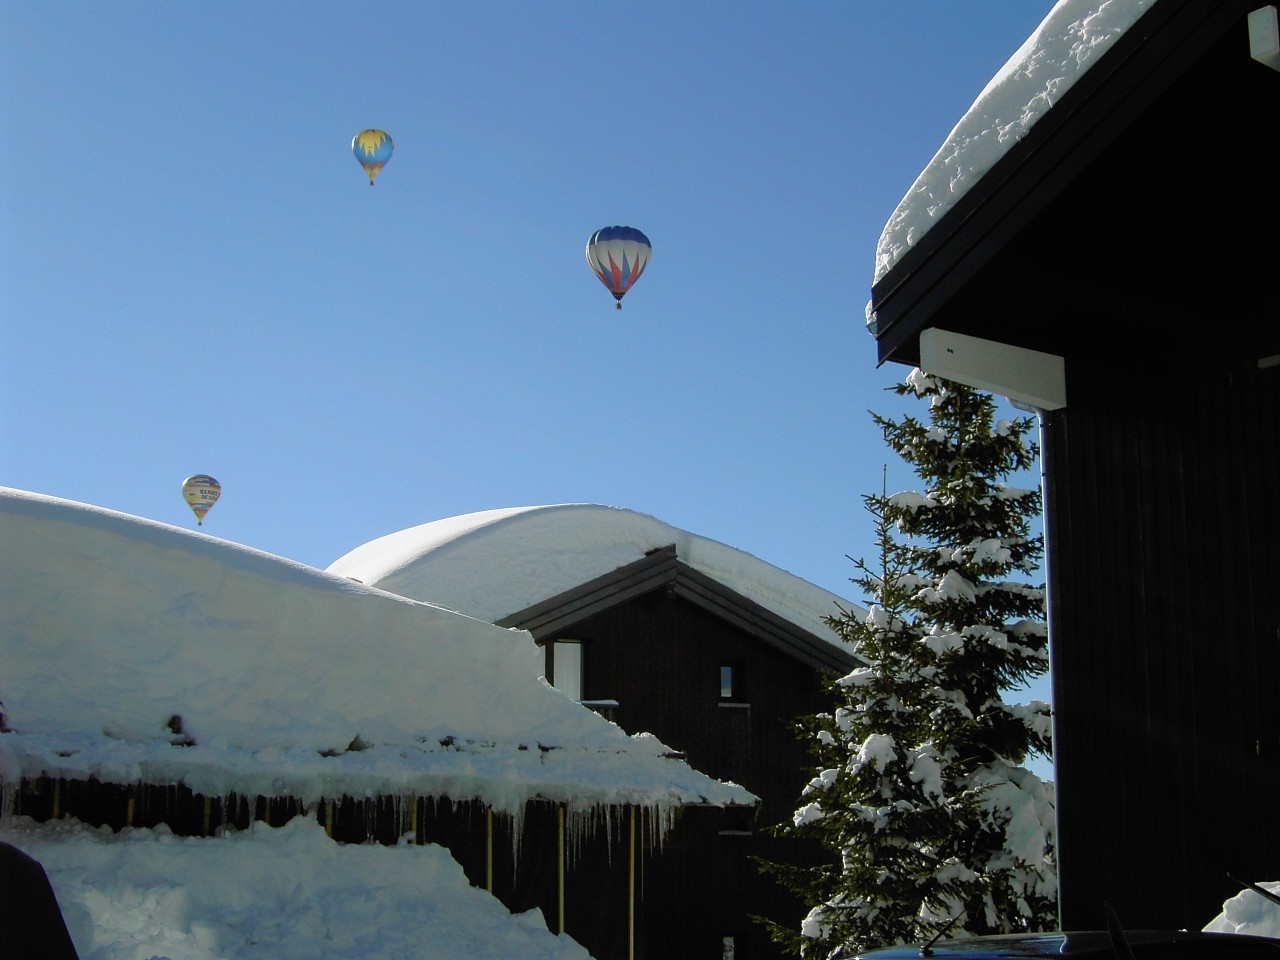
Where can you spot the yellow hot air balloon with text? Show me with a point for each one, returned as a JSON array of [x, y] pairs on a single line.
[[201, 492]]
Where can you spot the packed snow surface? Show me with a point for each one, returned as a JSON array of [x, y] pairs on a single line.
[[287, 893], [137, 651], [495, 563]]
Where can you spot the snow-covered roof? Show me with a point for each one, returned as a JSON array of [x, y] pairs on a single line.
[[1071, 38], [289, 680], [495, 563]]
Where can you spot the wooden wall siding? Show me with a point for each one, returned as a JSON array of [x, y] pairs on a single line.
[[659, 656], [715, 890], [136, 805], [1165, 634]]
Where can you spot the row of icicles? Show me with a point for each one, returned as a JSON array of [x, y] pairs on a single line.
[[617, 255]]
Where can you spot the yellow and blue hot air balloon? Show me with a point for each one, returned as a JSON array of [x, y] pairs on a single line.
[[201, 492], [618, 256], [373, 149]]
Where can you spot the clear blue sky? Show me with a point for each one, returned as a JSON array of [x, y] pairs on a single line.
[[196, 277]]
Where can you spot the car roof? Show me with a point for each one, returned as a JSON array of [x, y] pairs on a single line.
[[1146, 945]]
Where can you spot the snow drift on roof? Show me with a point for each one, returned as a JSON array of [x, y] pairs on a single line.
[[498, 562], [123, 639]]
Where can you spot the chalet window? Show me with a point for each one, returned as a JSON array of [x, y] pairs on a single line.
[[737, 821], [564, 667], [732, 682]]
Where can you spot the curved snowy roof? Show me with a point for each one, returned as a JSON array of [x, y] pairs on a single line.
[[137, 651], [494, 563]]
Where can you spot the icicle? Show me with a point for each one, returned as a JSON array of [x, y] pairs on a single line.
[[509, 821], [398, 816]]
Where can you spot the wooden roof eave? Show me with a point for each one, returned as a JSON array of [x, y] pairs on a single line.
[[1131, 76], [662, 569], [577, 603]]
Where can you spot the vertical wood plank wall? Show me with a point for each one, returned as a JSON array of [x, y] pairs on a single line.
[[1165, 636]]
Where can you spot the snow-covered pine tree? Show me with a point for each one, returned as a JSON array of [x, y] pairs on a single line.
[[876, 802], [920, 794]]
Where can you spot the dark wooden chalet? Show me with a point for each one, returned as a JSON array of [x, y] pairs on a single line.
[[669, 643], [662, 648], [1124, 252]]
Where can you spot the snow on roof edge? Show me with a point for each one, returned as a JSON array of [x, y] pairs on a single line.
[[1072, 37], [122, 617]]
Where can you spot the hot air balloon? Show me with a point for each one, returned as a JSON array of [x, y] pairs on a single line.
[[618, 256], [201, 492], [373, 149]]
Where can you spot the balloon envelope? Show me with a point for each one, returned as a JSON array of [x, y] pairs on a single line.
[[373, 149], [201, 492], [618, 256]]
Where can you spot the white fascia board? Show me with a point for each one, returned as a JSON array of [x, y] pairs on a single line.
[[1264, 36], [1026, 377]]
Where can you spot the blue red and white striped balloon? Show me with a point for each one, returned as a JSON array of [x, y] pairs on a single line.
[[618, 256]]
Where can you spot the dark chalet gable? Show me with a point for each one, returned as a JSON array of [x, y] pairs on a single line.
[[656, 636], [662, 569]]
